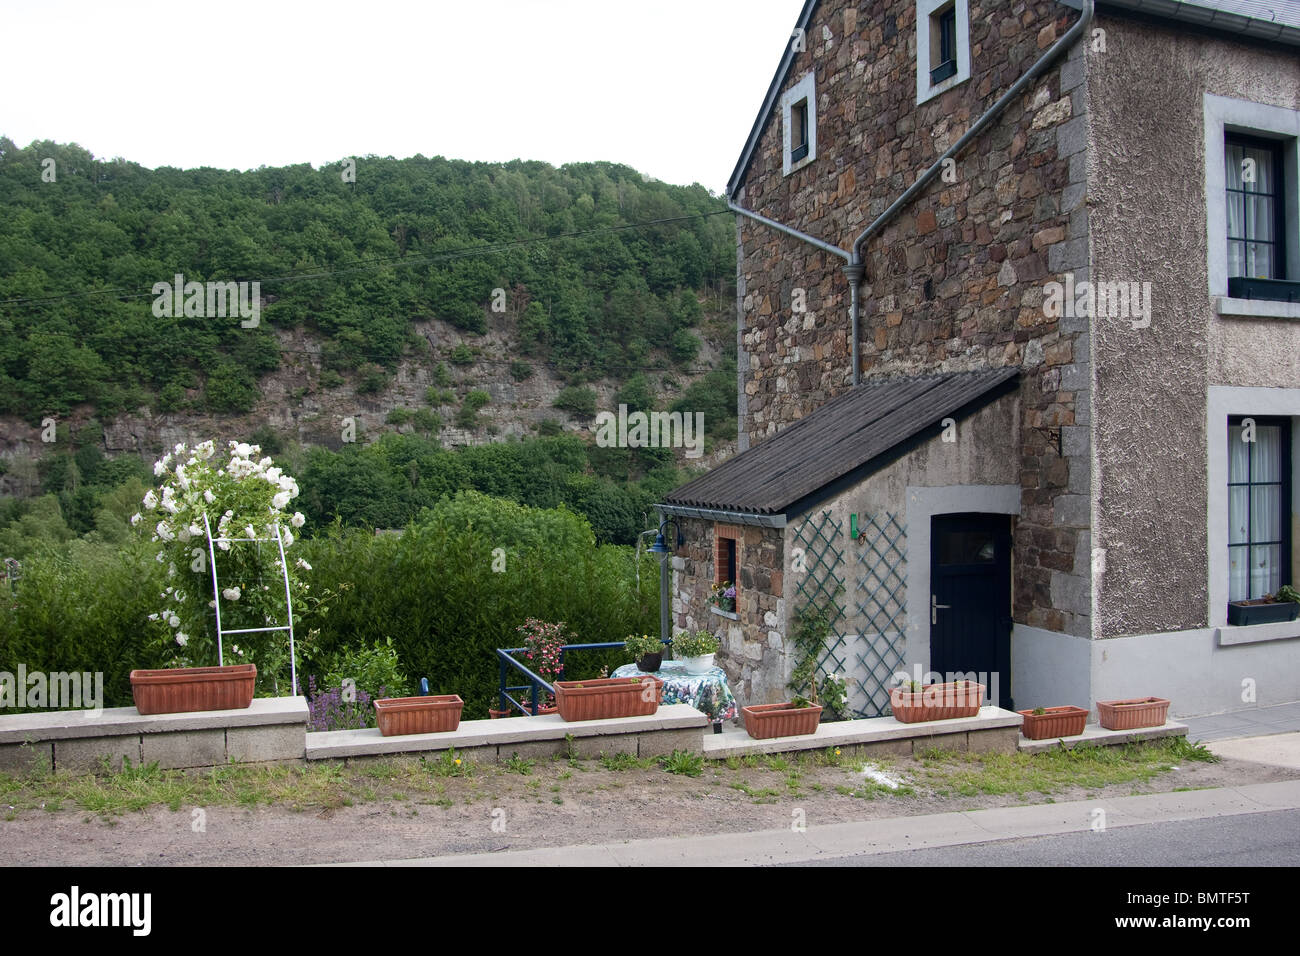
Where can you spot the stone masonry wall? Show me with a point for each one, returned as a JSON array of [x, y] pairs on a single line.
[[752, 648], [956, 281]]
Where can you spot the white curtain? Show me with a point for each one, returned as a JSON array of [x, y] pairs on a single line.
[[1249, 217], [1255, 513]]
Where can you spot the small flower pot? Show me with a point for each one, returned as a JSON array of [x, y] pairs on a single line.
[[936, 702], [181, 690], [608, 697], [1259, 611], [698, 665], [1132, 713], [1054, 722], [650, 663], [439, 714], [763, 721]]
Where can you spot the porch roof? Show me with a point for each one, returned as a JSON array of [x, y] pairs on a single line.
[[840, 443]]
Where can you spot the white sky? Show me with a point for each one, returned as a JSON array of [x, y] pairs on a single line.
[[670, 87]]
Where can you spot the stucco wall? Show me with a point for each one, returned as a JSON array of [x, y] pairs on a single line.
[[955, 282], [1147, 212]]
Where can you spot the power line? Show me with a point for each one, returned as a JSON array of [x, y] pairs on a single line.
[[370, 265]]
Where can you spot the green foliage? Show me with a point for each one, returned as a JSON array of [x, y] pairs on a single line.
[[441, 378], [549, 426], [1287, 593], [639, 645], [372, 668], [399, 417], [426, 421], [462, 354], [694, 644], [521, 371], [604, 300], [467, 417], [579, 400], [683, 762], [812, 628]]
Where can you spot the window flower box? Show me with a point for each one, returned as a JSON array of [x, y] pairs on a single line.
[[438, 714], [1132, 713], [1065, 721], [181, 690], [913, 704], [1262, 611], [608, 697]]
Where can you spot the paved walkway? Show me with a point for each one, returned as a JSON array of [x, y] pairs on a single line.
[[1262, 721], [873, 837]]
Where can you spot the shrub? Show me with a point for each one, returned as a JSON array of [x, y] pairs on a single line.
[[372, 668], [549, 426], [399, 417], [462, 354], [426, 421], [521, 371], [336, 709], [580, 400]]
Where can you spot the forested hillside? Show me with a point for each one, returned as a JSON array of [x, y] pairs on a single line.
[[589, 293]]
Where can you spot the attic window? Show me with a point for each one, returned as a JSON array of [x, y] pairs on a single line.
[[799, 131], [942, 46], [799, 125]]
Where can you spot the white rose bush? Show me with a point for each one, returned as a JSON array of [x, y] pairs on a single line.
[[243, 496]]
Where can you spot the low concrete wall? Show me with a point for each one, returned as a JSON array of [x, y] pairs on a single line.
[[271, 729], [673, 727], [993, 730]]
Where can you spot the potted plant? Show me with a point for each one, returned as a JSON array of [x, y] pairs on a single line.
[[695, 649], [1283, 605], [647, 651], [238, 496], [913, 703], [436, 714], [724, 596], [1044, 723], [607, 697], [1132, 713]]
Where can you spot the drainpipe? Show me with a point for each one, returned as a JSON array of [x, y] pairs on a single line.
[[854, 268], [1043, 62]]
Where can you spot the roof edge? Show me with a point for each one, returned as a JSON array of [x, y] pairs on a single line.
[[769, 99], [757, 519]]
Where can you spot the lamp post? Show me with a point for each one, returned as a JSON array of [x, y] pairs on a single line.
[[660, 547]]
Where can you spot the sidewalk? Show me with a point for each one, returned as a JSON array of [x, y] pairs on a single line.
[[1262, 721], [768, 847]]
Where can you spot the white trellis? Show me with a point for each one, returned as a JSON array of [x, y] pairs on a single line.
[[288, 598]]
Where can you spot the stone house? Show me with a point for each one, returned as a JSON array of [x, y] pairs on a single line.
[[1018, 337]]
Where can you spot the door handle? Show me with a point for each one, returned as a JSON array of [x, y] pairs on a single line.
[[935, 608]]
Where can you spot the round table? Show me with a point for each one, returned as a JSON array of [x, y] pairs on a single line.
[[707, 692]]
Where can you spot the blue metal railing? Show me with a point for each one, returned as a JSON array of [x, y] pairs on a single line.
[[536, 683]]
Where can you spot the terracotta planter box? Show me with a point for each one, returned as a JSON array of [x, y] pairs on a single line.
[[438, 714], [607, 697], [1132, 713], [763, 721], [936, 702], [180, 690], [1057, 722], [1259, 611]]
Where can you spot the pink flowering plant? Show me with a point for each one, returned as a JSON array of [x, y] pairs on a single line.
[[243, 496], [543, 644]]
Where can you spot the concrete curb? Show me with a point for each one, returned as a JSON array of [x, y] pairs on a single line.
[[770, 847]]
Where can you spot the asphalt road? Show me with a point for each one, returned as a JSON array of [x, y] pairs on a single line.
[[1252, 839]]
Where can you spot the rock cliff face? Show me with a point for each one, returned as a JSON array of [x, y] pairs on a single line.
[[298, 407]]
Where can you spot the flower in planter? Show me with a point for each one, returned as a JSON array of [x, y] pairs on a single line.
[[543, 643], [724, 596]]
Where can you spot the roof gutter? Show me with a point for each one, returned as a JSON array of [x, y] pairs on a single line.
[[854, 268], [729, 517]]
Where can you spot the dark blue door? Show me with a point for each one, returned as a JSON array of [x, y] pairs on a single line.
[[970, 599]]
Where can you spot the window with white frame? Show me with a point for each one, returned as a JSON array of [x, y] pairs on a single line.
[[942, 46], [1252, 169], [799, 125], [1259, 506]]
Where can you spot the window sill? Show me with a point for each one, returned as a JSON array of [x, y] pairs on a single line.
[[1229, 634], [1257, 308], [729, 615]]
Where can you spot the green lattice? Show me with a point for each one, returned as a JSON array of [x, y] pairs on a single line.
[[821, 583], [881, 599]]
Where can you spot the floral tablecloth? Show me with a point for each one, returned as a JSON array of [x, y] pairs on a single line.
[[707, 692]]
